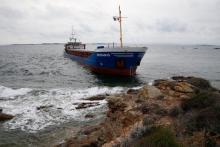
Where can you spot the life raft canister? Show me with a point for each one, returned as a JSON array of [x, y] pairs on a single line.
[[120, 63]]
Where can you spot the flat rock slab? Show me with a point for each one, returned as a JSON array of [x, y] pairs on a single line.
[[183, 87], [154, 92]]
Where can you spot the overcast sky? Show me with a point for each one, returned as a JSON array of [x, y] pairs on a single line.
[[149, 21]]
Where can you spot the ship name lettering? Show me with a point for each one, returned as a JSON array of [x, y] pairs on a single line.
[[103, 55]]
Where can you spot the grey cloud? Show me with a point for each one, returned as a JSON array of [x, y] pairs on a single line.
[[113, 28], [10, 13], [166, 25], [48, 20]]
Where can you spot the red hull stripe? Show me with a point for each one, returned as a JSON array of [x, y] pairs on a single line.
[[102, 70], [109, 71]]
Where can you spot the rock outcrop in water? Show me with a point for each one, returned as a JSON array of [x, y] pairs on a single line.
[[4, 117], [182, 111], [86, 105]]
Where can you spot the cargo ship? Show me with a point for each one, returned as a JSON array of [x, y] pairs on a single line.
[[106, 59]]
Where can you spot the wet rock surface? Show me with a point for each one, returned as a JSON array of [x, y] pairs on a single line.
[[87, 105], [5, 117], [44, 107], [188, 106]]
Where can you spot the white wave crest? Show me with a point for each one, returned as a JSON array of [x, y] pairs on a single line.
[[6, 92], [39, 109]]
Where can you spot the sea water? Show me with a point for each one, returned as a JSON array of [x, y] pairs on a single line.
[[32, 76]]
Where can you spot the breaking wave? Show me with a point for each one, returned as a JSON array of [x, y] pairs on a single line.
[[6, 92], [36, 109]]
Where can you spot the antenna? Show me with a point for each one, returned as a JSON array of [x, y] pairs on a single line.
[[72, 31], [72, 35]]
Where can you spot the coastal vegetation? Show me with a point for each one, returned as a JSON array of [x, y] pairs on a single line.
[[158, 137]]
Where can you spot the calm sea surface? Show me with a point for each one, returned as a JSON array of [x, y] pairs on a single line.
[[40, 75]]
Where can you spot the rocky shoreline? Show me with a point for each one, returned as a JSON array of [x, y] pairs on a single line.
[[181, 111]]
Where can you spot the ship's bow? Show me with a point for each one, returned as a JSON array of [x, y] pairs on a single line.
[[118, 61]]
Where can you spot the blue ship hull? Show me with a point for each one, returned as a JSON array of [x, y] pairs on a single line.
[[111, 63]]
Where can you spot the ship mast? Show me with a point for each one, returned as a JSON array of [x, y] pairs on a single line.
[[121, 41], [119, 19]]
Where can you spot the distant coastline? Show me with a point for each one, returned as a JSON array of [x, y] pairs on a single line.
[[57, 43], [36, 44]]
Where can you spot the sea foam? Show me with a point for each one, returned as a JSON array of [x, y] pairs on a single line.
[[6, 92], [58, 106]]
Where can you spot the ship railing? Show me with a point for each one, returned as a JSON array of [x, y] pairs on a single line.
[[108, 45], [112, 45]]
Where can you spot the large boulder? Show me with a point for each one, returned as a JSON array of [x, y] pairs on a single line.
[[154, 92], [149, 92], [143, 93]]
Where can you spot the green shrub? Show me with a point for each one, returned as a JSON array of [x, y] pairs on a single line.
[[159, 137], [199, 82], [208, 119], [139, 132], [210, 143], [148, 121], [199, 101], [161, 111]]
